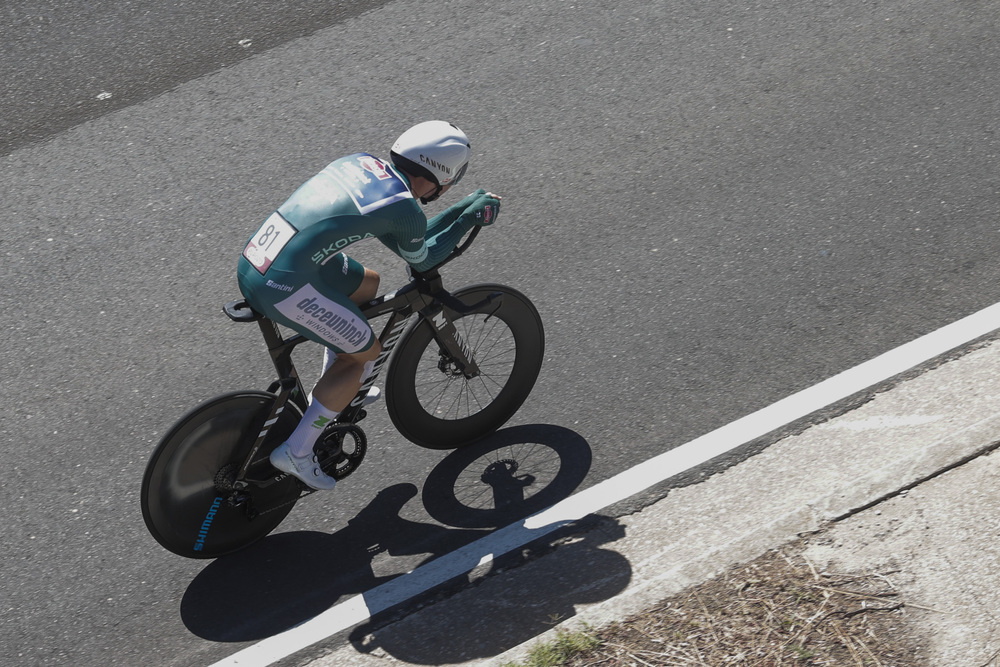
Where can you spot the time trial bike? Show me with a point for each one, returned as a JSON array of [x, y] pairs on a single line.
[[458, 366]]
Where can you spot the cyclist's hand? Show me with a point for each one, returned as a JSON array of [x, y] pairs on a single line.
[[470, 200], [486, 209]]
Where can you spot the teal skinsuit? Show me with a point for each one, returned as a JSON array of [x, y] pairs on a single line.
[[293, 269]]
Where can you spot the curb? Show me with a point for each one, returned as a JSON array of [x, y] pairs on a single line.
[[911, 432], [915, 432]]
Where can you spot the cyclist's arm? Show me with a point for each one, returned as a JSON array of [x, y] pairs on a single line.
[[424, 244], [446, 230], [443, 220], [407, 236], [429, 252]]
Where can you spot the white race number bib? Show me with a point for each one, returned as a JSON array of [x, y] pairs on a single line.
[[268, 241]]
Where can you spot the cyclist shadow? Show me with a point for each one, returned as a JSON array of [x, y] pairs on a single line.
[[288, 578]]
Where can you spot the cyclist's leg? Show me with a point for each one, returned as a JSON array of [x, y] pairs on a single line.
[[323, 311], [345, 372], [340, 290], [332, 393], [366, 291], [342, 380]]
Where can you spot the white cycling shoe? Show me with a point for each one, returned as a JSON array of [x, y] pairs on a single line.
[[305, 468]]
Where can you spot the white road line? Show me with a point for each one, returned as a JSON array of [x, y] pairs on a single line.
[[360, 608]]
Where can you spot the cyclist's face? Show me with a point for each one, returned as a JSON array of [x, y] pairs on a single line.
[[422, 187], [434, 194], [427, 191]]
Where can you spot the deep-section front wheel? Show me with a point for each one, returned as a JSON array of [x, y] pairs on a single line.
[[187, 495], [433, 404]]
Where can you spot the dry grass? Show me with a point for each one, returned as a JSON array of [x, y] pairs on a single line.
[[776, 611]]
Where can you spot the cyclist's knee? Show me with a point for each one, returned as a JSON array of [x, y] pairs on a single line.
[[364, 356]]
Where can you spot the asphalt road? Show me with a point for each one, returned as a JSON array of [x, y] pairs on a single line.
[[713, 206], [67, 62]]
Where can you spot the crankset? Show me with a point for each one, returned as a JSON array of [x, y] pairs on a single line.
[[340, 449]]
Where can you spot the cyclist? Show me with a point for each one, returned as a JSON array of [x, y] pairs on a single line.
[[294, 270]]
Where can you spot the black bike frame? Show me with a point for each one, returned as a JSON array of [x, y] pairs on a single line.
[[424, 295]]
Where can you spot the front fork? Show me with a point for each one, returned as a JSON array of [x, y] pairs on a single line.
[[456, 357]]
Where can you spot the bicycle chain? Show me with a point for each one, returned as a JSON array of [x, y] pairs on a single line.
[[302, 494]]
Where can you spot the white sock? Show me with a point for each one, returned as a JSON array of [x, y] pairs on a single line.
[[305, 435]]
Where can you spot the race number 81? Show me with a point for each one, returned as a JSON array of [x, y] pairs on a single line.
[[268, 241]]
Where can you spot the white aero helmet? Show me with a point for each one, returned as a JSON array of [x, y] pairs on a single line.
[[434, 149]]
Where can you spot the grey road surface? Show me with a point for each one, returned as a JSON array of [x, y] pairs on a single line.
[[713, 206], [65, 62]]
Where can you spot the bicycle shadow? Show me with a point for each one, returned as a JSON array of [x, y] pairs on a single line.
[[511, 478], [288, 578], [509, 608]]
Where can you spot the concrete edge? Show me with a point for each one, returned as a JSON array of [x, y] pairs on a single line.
[[971, 433], [928, 420]]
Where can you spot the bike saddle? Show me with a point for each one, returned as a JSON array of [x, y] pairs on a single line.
[[240, 311]]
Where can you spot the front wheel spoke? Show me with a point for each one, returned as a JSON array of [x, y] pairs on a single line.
[[448, 394], [487, 354], [456, 404], [472, 393], [486, 388], [484, 333], [438, 398]]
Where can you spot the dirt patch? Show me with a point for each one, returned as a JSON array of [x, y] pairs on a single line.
[[776, 610]]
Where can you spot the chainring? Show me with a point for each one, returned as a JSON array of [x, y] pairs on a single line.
[[340, 449]]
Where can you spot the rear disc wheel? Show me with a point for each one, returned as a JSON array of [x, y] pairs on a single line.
[[187, 490]]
